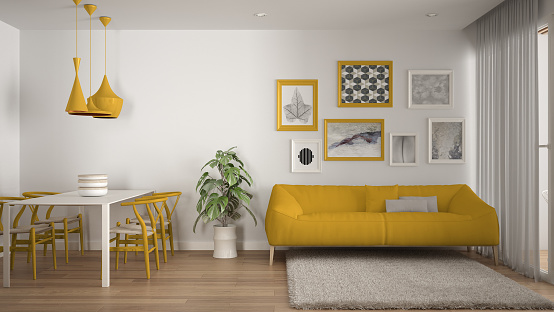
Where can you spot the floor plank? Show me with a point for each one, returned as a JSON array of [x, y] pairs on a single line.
[[189, 281]]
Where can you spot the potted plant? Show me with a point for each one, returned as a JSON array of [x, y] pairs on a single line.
[[221, 198]]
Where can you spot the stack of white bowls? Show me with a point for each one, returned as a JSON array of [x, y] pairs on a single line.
[[93, 184]]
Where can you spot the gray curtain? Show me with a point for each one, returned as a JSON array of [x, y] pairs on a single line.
[[508, 129]]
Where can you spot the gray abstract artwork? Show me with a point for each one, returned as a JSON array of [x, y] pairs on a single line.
[[354, 139], [447, 140], [430, 89], [403, 149], [297, 109]]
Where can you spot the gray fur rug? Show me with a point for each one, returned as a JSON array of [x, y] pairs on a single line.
[[382, 278]]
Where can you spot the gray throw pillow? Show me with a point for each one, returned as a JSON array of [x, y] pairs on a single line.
[[408, 205], [431, 202]]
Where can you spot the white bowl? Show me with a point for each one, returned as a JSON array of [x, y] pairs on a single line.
[[93, 183], [92, 191], [93, 177]]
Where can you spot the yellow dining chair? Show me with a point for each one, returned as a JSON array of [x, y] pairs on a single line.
[[65, 220], [38, 234], [165, 232], [139, 235]]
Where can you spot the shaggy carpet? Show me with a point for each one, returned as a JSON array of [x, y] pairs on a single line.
[[400, 279]]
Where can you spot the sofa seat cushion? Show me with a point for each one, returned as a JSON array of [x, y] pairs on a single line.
[[425, 217], [329, 229], [342, 217], [432, 229]]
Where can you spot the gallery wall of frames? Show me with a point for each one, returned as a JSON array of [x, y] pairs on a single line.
[[369, 84]]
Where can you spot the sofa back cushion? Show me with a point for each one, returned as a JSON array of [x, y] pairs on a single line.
[[444, 193], [376, 196], [328, 198]]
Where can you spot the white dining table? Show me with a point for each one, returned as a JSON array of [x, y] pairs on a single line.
[[73, 199]]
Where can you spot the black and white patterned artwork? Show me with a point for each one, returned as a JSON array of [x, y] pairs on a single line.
[[403, 149], [430, 89], [446, 139], [306, 155], [365, 84]]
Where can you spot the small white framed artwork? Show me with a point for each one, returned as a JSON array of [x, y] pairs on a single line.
[[447, 140], [430, 89], [403, 149], [305, 155]]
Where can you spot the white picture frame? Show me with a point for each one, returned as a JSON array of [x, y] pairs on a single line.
[[305, 156], [430, 89], [447, 140], [403, 149]]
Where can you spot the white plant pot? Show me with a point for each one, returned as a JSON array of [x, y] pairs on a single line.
[[225, 241]]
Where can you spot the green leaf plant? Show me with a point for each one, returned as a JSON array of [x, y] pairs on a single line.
[[220, 199]]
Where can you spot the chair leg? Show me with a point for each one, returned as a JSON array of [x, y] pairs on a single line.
[[126, 239], [170, 230], [32, 241], [495, 254], [54, 246], [271, 252], [65, 238], [12, 255], [156, 250], [146, 255], [45, 249], [81, 234], [117, 236], [163, 243]]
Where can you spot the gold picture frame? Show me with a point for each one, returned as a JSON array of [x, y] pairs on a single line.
[[365, 83], [355, 139], [298, 112]]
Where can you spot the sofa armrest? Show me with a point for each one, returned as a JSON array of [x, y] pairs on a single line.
[[284, 203], [466, 202]]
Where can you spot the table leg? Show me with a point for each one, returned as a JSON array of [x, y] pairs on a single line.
[[6, 254], [106, 245]]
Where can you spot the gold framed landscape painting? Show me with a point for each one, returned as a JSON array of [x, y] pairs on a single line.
[[297, 105], [354, 139], [365, 83]]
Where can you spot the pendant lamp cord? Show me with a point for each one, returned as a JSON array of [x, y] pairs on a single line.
[[76, 31], [105, 57], [90, 69]]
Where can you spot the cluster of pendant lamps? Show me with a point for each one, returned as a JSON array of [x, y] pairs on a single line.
[[104, 103]]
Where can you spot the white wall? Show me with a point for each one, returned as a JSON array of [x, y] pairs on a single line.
[[9, 110], [188, 93]]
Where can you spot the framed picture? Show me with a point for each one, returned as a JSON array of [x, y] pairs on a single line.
[[447, 140], [354, 139], [365, 83], [305, 155], [296, 105], [403, 149], [430, 89]]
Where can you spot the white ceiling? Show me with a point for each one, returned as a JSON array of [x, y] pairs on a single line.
[[238, 14]]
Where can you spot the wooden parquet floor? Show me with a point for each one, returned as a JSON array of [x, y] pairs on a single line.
[[189, 281]]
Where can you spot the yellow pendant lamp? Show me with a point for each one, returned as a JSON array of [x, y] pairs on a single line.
[[76, 103], [105, 98], [92, 109]]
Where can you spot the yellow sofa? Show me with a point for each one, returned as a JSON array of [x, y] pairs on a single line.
[[316, 215]]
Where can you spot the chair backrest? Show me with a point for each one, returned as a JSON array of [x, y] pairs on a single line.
[[157, 203], [34, 208], [168, 212], [5, 200]]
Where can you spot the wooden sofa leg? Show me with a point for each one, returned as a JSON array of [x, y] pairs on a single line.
[[495, 254], [271, 252], [468, 248]]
